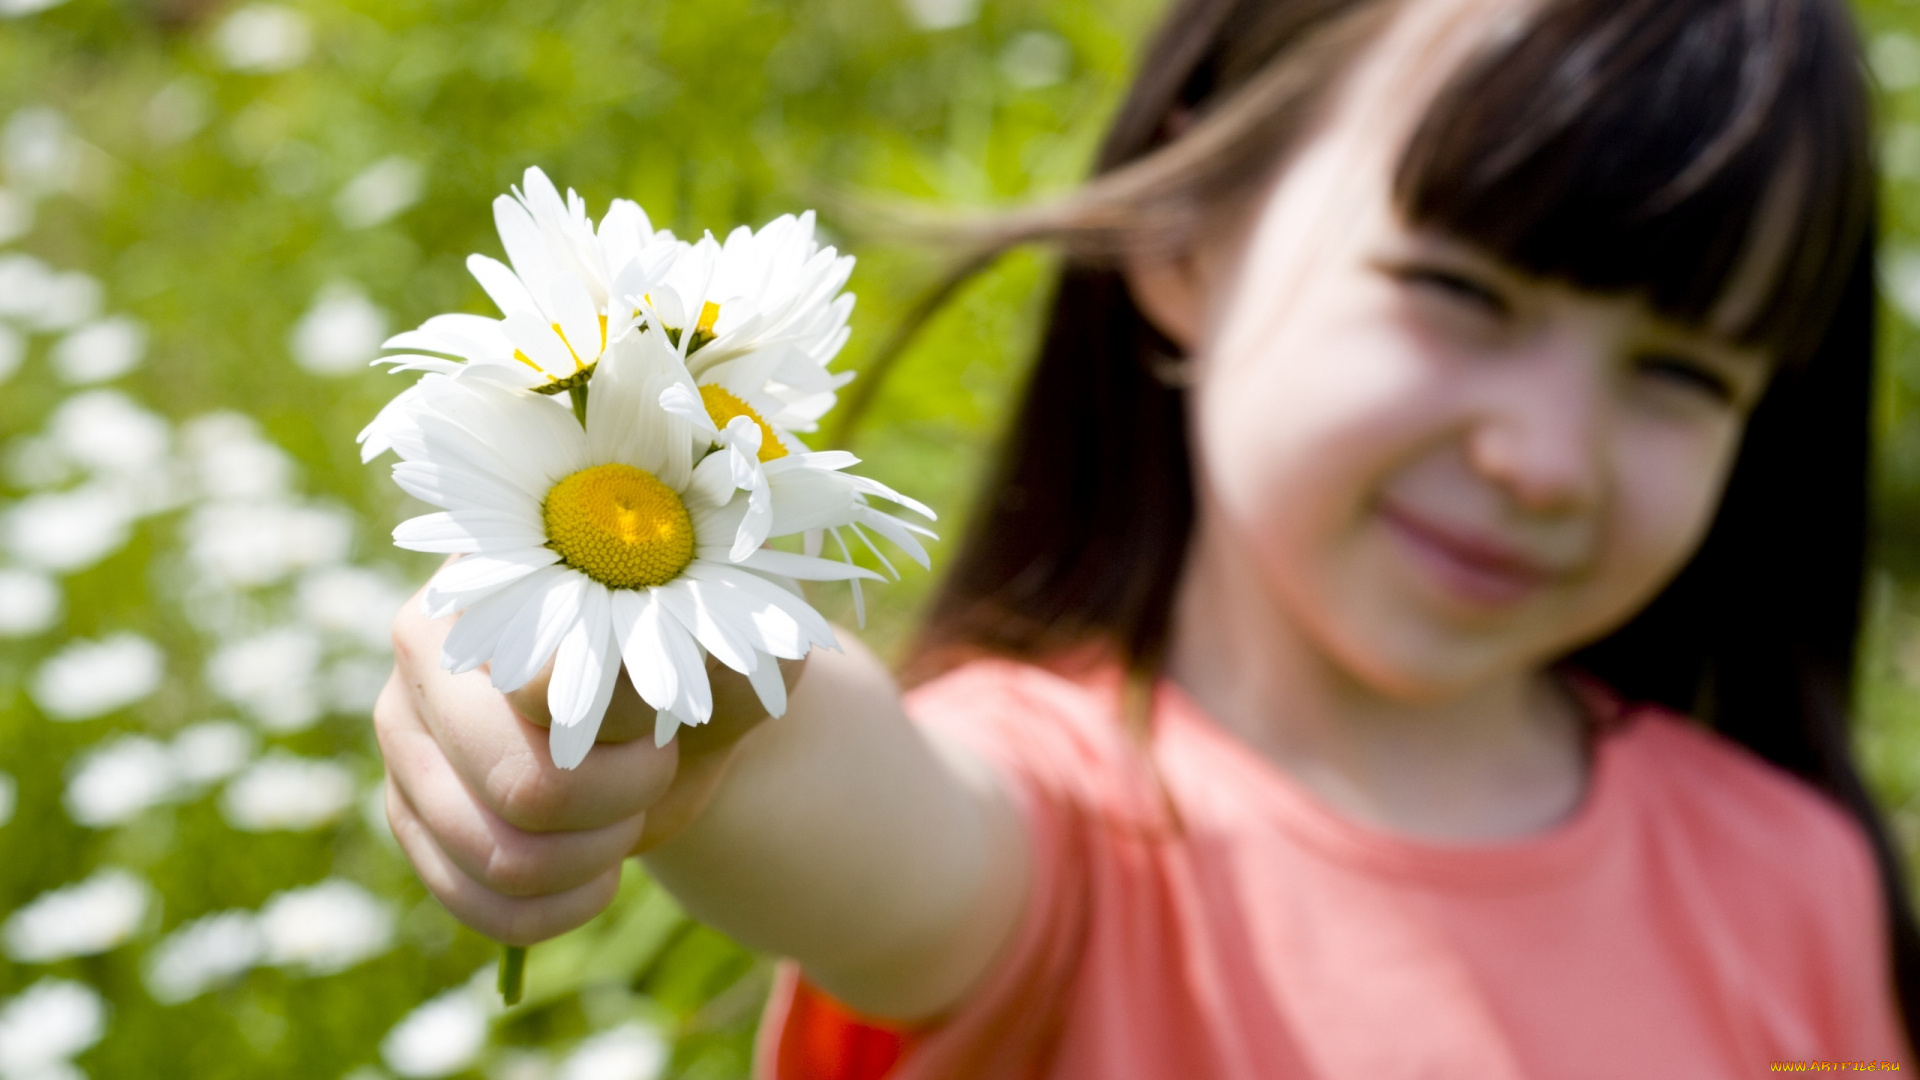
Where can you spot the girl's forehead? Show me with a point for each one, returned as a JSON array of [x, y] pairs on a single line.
[[1601, 142]]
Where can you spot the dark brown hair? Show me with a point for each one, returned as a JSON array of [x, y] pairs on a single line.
[[1625, 146]]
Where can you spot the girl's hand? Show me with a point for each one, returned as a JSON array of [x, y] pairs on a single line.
[[890, 864], [515, 847]]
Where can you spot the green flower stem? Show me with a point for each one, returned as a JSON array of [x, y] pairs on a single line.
[[578, 392], [513, 973]]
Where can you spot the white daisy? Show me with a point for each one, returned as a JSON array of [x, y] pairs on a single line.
[[728, 409], [589, 546], [557, 298], [776, 293]]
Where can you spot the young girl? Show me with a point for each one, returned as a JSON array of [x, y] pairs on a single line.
[[1441, 397]]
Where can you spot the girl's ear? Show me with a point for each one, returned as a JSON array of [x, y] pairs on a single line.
[[1171, 292]]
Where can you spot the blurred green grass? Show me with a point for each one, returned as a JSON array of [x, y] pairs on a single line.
[[214, 204]]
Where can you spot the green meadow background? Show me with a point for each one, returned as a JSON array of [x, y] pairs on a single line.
[[235, 201]]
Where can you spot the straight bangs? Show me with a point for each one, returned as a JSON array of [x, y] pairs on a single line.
[[1711, 158]]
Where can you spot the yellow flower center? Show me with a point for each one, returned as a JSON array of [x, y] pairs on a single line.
[[619, 526], [723, 406]]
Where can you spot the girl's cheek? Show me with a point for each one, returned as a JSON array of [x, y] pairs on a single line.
[[1668, 485], [1295, 442]]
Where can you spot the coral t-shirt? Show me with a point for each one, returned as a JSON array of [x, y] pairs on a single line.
[[1701, 914]]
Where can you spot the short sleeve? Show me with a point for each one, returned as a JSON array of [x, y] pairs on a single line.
[[1050, 742]]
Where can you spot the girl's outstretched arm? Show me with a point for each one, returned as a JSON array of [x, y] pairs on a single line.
[[891, 865]]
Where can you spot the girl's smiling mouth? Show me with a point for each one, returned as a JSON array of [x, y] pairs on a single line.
[[1477, 569]]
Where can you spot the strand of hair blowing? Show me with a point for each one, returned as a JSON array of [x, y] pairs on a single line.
[[1080, 531]]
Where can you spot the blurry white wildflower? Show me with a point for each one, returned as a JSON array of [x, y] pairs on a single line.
[[585, 546], [230, 460], [83, 919], [9, 797], [941, 14], [14, 9], [39, 149], [45, 1025], [442, 1036], [16, 215], [41, 298], [104, 431], [247, 544], [30, 603], [352, 601], [203, 954], [24, 281], [631, 1051], [340, 334], [177, 111], [90, 678], [33, 462], [325, 928], [281, 791], [263, 38], [119, 780], [65, 531], [271, 676], [210, 751], [101, 350], [13, 349], [1895, 60], [380, 191], [71, 299], [1035, 59]]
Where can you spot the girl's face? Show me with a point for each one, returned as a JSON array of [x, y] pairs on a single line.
[[1441, 470]]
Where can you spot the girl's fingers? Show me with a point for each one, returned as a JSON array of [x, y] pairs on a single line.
[[487, 849], [503, 759], [512, 920], [628, 718]]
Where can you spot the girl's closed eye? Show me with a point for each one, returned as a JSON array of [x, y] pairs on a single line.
[[1687, 375], [1456, 300], [1458, 287]]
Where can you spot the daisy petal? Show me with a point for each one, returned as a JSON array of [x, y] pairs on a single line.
[[502, 287], [472, 640], [770, 685], [464, 581], [787, 564], [579, 322], [467, 531], [636, 623], [812, 626], [456, 488], [534, 336], [695, 702], [682, 402], [758, 521], [526, 250], [665, 725], [704, 612], [530, 641], [584, 672]]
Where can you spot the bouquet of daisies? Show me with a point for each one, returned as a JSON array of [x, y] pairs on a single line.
[[613, 454]]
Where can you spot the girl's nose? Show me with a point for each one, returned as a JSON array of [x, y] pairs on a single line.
[[1540, 435]]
